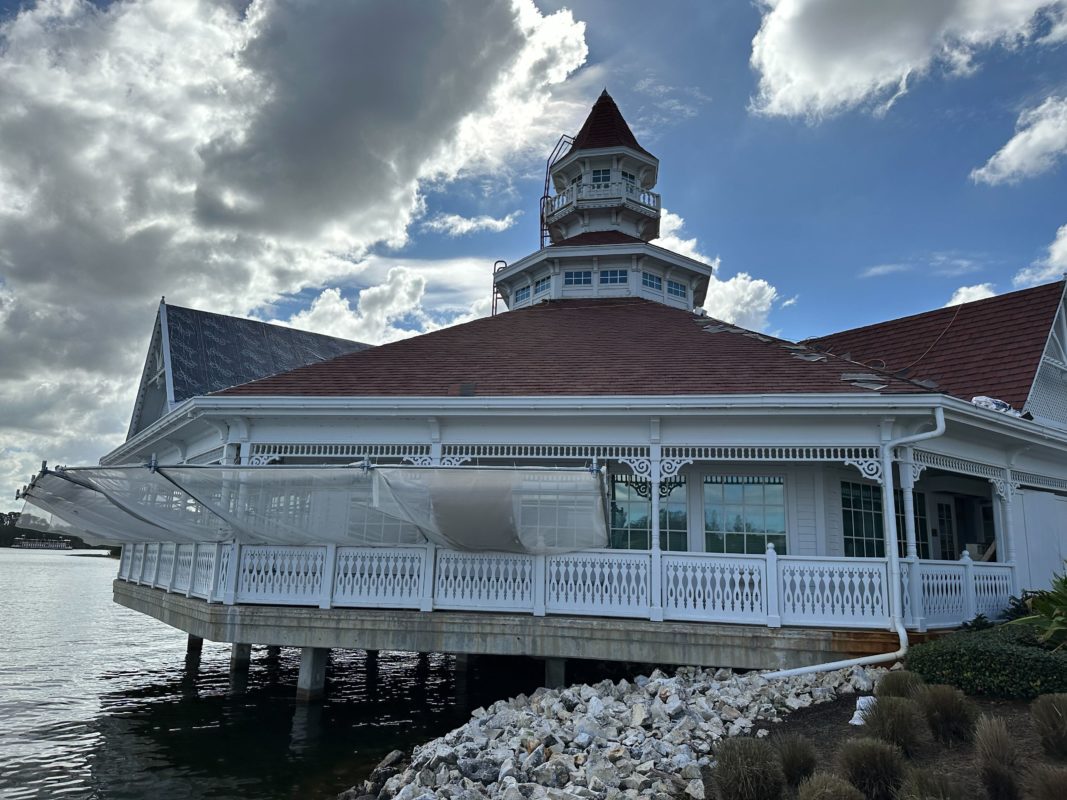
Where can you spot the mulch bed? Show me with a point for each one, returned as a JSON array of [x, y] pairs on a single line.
[[826, 727]]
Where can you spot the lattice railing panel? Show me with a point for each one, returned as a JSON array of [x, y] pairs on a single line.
[[608, 583], [202, 570], [136, 560], [183, 572], [166, 564], [484, 580], [126, 560], [943, 592], [283, 575], [714, 588], [992, 587], [151, 559], [849, 592], [379, 577]]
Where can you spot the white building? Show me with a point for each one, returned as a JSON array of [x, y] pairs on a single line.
[[753, 482]]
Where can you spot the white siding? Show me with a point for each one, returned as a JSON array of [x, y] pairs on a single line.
[[1040, 522]]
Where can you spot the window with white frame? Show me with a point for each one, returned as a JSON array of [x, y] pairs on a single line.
[[651, 281], [861, 520], [676, 289], [578, 278], [744, 513], [629, 177], [631, 514], [542, 285], [522, 294], [613, 277], [601, 176]]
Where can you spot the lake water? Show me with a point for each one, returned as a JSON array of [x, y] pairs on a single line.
[[97, 701]]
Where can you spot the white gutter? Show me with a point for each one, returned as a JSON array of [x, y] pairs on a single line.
[[889, 526]]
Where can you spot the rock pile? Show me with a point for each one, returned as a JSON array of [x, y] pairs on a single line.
[[652, 738]]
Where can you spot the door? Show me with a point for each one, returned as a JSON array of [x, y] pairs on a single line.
[[944, 527]]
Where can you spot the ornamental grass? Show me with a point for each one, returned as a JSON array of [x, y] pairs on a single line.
[[873, 766], [824, 786], [1047, 782], [899, 683], [928, 784], [1049, 715], [899, 721], [950, 715], [748, 769], [797, 756], [996, 759]]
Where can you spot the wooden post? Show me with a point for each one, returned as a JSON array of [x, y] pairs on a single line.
[[428, 576], [229, 595], [540, 584], [655, 589], [192, 572], [774, 617], [970, 594], [173, 568], [213, 593], [329, 568]]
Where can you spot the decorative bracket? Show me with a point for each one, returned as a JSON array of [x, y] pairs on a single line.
[[1005, 489], [640, 467], [419, 461], [909, 473], [452, 461], [870, 468], [669, 467]]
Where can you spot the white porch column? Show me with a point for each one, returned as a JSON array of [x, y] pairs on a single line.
[[1006, 490], [655, 598], [909, 474]]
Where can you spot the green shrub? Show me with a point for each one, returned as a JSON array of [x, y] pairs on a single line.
[[874, 767], [824, 786], [1046, 782], [996, 759], [747, 769], [899, 683], [797, 756], [1049, 714], [927, 784], [899, 721], [1005, 661], [949, 713], [1048, 612]]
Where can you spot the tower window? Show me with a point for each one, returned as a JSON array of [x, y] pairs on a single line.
[[541, 286], [629, 177], [613, 277], [601, 176], [652, 281], [676, 289], [578, 278], [522, 294]]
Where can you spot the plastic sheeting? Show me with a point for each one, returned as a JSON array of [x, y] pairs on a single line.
[[514, 510], [511, 510]]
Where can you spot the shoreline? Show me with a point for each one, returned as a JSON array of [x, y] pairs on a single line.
[[650, 738]]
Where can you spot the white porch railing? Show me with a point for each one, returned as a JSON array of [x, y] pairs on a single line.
[[601, 191], [700, 587]]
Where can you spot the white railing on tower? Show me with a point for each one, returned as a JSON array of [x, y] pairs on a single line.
[[765, 589], [600, 191]]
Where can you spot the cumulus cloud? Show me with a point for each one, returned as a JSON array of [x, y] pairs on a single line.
[[740, 300], [455, 225], [968, 294], [1050, 268], [1039, 143], [819, 57], [229, 156]]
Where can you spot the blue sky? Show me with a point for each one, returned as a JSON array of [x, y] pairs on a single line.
[[356, 169]]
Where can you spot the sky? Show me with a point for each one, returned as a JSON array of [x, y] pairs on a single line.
[[355, 169]]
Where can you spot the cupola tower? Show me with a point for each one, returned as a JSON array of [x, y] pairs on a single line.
[[598, 217]]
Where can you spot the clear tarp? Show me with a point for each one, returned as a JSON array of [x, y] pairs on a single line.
[[466, 508]]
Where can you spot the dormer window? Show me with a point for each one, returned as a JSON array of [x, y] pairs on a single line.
[[522, 294], [650, 281], [542, 285], [676, 289], [601, 176]]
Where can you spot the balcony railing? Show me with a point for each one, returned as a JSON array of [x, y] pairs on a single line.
[[763, 589], [601, 191]]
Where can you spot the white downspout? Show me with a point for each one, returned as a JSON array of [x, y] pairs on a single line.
[[889, 530]]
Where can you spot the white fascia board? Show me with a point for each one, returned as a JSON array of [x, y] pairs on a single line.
[[594, 152], [555, 251]]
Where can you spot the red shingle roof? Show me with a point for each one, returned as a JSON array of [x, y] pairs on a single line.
[[605, 127], [599, 237], [622, 346], [989, 347]]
